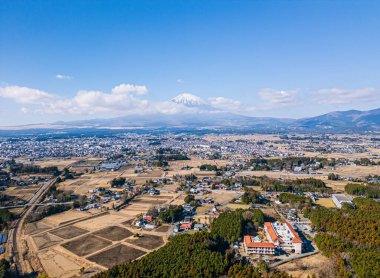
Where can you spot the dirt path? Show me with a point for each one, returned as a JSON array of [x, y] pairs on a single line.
[[293, 258]]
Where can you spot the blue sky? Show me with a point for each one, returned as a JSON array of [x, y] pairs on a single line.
[[64, 60]]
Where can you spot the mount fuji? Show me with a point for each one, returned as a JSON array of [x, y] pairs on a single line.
[[189, 100]]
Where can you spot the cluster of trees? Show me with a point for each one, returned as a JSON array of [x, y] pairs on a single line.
[[240, 270], [208, 167], [288, 163], [118, 181], [215, 155], [247, 181], [333, 177], [60, 195], [189, 198], [251, 196], [366, 162], [294, 199], [4, 268], [33, 169], [298, 185], [5, 216], [369, 190], [230, 225], [171, 214], [4, 178], [365, 203], [168, 215], [191, 177], [351, 237], [3, 199], [67, 175], [255, 216], [244, 181], [80, 202]]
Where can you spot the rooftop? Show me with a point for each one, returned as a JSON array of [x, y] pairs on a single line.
[[282, 232], [342, 198], [249, 243]]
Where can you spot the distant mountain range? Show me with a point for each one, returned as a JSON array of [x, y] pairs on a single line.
[[203, 115], [343, 120]]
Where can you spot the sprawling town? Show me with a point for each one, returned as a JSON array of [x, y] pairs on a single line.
[[81, 205]]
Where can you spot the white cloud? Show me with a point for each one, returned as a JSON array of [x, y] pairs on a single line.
[[224, 103], [278, 97], [129, 88], [179, 80], [25, 95], [346, 96], [63, 77], [124, 99]]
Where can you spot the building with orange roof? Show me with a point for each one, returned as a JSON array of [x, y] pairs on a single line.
[[262, 248], [283, 236]]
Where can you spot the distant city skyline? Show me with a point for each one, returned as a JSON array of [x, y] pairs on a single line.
[[74, 60]]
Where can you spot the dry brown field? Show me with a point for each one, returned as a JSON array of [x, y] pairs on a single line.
[[86, 245], [113, 233], [326, 202], [237, 206], [162, 229], [101, 221], [356, 171], [116, 255], [222, 196], [65, 217], [36, 227], [305, 267], [68, 232], [60, 163], [24, 193], [337, 186], [148, 242], [57, 264], [45, 240], [88, 182]]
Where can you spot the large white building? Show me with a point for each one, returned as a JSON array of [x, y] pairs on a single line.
[[340, 199], [283, 236]]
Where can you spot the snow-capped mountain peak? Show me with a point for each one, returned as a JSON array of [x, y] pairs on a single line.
[[188, 100]]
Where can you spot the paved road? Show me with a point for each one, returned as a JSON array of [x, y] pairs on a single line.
[[22, 266]]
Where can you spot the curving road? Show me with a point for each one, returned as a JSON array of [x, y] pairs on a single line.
[[23, 266]]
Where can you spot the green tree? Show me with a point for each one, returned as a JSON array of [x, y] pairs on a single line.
[[4, 268], [189, 198]]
